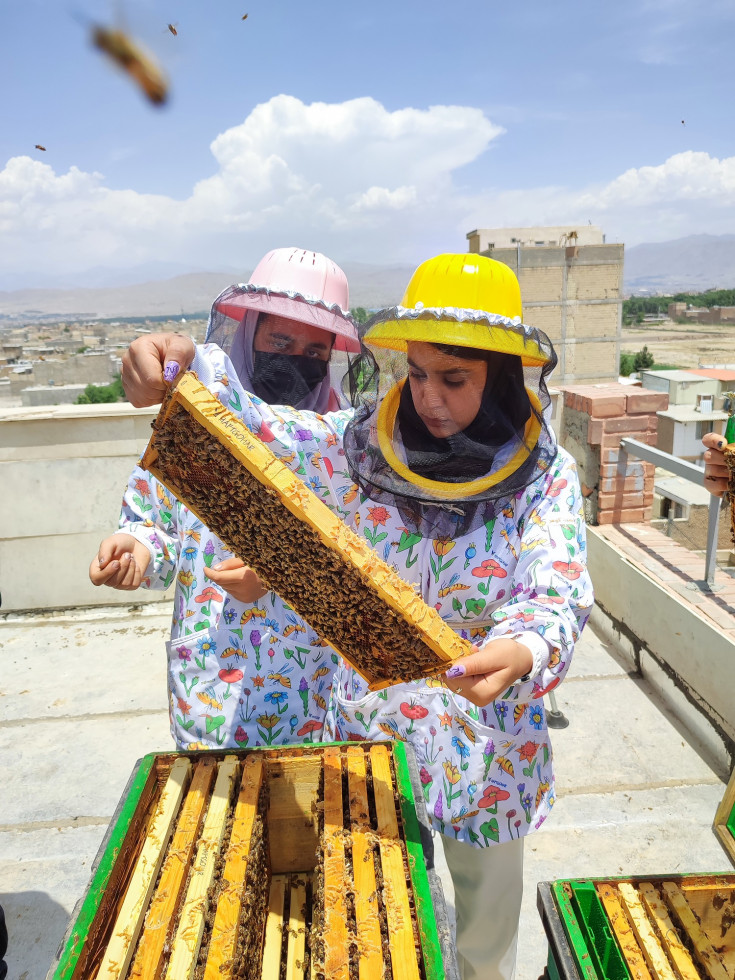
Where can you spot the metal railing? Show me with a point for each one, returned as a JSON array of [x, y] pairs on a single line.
[[687, 471]]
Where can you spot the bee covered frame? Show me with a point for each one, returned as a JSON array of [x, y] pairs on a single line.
[[329, 575]]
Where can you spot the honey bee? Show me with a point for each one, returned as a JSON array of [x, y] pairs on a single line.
[[132, 59], [39, 147], [172, 28], [244, 16], [208, 697], [464, 725], [280, 679]]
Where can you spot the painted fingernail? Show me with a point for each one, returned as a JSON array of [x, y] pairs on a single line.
[[170, 371], [457, 670]]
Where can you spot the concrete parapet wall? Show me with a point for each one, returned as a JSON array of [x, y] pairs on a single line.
[[595, 419], [684, 654], [63, 472]]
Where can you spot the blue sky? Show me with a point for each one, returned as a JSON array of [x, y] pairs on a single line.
[[379, 132]]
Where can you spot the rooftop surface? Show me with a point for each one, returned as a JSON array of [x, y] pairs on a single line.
[[83, 696]]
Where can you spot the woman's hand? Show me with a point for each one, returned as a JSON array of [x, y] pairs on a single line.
[[481, 677], [716, 474], [151, 363], [235, 577], [120, 563]]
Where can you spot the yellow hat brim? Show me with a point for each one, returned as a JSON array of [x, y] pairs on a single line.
[[394, 329]]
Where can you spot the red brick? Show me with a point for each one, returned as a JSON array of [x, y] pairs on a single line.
[[625, 423], [617, 500], [647, 401], [602, 406], [623, 516], [594, 432], [614, 484], [608, 440]]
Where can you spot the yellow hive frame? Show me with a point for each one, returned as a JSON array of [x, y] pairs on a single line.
[[439, 641]]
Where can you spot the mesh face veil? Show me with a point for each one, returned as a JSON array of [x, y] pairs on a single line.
[[299, 287], [453, 422]]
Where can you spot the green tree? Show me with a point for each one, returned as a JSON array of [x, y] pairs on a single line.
[[643, 359], [360, 314], [99, 394], [626, 364]]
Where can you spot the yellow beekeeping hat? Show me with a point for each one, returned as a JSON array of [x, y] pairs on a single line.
[[465, 300]]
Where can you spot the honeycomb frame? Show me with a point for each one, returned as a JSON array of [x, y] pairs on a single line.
[[330, 576]]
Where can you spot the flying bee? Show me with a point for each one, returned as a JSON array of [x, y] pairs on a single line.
[[208, 697], [172, 28], [244, 16], [39, 147], [280, 679], [464, 725], [132, 59]]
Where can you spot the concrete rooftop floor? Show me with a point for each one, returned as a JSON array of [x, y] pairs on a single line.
[[82, 697]]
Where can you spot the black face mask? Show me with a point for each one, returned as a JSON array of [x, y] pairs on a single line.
[[286, 379]]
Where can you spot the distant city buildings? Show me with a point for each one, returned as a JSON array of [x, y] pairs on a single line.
[[701, 314], [51, 363], [571, 283]]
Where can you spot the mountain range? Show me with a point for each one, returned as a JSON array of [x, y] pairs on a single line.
[[694, 263]]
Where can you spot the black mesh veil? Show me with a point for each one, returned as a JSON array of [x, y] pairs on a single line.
[[448, 485]]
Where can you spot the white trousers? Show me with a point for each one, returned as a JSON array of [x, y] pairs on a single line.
[[488, 887]]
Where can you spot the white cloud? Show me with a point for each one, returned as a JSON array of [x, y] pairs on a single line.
[[352, 179]]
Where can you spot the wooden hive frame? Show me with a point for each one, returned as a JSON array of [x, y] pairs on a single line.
[[654, 928], [729, 453], [303, 863], [327, 573]]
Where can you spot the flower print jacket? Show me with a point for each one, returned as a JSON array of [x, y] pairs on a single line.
[[486, 772], [239, 674]]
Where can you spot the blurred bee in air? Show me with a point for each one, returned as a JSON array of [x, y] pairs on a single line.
[[172, 28], [128, 54], [244, 16], [39, 147]]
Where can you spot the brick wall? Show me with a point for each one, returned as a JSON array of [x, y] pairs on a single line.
[[595, 419]]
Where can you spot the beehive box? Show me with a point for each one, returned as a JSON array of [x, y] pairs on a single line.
[[664, 927], [267, 517], [283, 864]]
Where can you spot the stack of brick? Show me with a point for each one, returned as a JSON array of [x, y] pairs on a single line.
[[595, 419]]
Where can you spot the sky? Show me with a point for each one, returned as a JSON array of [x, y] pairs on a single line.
[[375, 132]]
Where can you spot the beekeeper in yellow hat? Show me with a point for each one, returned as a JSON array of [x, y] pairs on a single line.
[[447, 467]]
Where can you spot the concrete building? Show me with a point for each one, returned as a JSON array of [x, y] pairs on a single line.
[[51, 394], [482, 239], [572, 291], [701, 314], [681, 428], [724, 377], [682, 387]]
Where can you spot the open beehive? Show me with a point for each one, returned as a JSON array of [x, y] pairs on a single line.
[[674, 927], [667, 927], [280, 864], [267, 517]]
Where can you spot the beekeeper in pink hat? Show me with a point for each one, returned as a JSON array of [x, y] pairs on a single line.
[[295, 304], [243, 670]]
